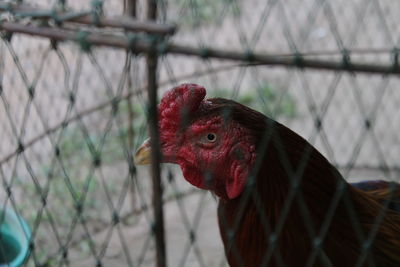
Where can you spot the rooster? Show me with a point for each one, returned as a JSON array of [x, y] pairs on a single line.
[[281, 203]]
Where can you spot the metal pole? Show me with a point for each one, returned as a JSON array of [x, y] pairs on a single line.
[[158, 227]]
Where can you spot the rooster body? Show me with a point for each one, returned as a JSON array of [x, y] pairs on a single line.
[[281, 202]]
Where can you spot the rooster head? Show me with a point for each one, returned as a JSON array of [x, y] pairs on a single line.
[[212, 140]]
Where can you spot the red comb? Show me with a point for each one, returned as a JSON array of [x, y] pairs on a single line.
[[179, 102]]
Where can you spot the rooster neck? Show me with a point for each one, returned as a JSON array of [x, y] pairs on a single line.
[[250, 224], [269, 212], [281, 208]]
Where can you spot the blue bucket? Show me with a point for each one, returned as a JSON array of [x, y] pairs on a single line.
[[14, 239]]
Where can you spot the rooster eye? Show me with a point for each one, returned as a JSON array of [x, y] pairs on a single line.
[[211, 137]]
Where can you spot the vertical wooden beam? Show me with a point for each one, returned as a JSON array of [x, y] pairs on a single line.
[[130, 8], [158, 227]]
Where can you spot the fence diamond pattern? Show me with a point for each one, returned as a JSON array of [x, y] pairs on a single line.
[[72, 114]]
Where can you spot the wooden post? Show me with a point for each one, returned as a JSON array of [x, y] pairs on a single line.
[[130, 7], [158, 227]]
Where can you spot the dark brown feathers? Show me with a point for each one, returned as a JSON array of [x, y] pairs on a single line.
[[296, 196]]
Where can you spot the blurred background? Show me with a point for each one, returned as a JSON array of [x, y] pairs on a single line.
[[73, 112]]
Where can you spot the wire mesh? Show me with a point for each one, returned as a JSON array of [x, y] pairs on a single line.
[[74, 108]]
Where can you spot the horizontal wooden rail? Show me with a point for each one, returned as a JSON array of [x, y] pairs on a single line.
[[87, 18], [145, 45]]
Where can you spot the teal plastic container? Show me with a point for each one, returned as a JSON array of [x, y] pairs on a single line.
[[14, 239]]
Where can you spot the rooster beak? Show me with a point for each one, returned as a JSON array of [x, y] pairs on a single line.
[[142, 155]]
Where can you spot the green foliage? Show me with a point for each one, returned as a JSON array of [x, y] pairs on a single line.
[[275, 103], [77, 159], [195, 13], [266, 99], [74, 145]]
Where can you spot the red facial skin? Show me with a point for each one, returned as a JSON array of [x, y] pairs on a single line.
[[221, 165]]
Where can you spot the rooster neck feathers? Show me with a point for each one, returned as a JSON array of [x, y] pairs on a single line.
[[292, 170]]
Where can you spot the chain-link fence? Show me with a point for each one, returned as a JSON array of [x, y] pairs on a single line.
[[79, 83]]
